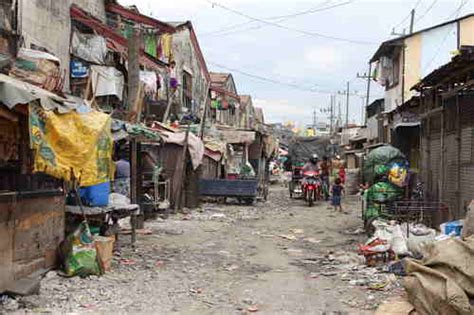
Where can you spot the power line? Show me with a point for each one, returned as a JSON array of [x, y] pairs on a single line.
[[290, 28], [427, 10], [279, 18], [408, 16], [455, 14], [310, 11], [274, 81]]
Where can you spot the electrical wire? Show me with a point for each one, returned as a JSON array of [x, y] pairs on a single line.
[[408, 16], [427, 11], [274, 81], [279, 18], [308, 33], [455, 14]]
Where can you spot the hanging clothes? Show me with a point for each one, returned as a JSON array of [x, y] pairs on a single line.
[[166, 47]]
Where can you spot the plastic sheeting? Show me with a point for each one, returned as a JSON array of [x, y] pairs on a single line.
[[107, 81], [195, 145], [89, 47], [149, 79], [302, 148], [38, 68], [382, 156], [72, 145]]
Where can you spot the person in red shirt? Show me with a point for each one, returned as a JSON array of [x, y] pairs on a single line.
[[342, 174]]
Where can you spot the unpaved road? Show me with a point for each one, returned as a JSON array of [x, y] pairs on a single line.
[[278, 257]]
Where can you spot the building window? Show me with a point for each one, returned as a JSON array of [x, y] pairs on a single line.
[[187, 90]]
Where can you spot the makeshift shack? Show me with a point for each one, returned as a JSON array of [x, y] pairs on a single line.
[[37, 154]]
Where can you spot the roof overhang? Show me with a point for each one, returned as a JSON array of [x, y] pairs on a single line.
[[128, 14], [115, 41]]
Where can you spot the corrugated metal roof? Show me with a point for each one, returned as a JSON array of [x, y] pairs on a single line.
[[219, 78]]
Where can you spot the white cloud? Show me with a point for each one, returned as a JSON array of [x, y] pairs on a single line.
[[280, 109], [325, 58]]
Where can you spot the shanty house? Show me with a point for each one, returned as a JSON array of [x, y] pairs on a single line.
[[225, 102], [447, 136]]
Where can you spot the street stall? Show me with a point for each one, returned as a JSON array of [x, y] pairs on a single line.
[[180, 157], [52, 141]]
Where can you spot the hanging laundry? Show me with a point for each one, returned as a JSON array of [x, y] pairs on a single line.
[[107, 81]]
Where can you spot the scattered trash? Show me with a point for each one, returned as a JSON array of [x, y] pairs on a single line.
[[312, 240], [252, 309], [218, 216], [127, 262], [81, 253], [357, 231], [196, 290], [377, 252], [160, 263], [288, 237], [297, 231], [137, 231], [453, 228]]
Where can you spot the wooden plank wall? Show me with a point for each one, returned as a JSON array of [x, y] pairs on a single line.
[[31, 230]]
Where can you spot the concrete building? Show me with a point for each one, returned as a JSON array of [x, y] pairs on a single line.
[[191, 69], [402, 62]]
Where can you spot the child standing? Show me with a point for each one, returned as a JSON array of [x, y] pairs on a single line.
[[336, 193]]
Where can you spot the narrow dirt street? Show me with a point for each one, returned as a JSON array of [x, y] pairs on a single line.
[[278, 257]]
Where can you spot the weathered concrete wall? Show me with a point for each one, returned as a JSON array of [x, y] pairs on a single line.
[[94, 7], [187, 60], [47, 24]]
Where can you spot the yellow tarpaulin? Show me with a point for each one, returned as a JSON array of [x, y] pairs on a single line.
[[72, 145]]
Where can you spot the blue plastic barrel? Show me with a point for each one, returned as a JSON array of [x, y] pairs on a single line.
[[96, 195]]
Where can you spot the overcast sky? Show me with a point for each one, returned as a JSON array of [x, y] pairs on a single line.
[[287, 47]]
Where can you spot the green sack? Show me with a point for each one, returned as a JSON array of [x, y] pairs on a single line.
[[82, 257], [379, 159], [381, 193]]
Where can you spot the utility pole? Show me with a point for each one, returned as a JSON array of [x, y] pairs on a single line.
[[339, 113], [347, 105], [412, 20], [367, 97], [314, 119], [331, 118]]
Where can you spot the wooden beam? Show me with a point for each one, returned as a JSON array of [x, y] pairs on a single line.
[[8, 114], [431, 112]]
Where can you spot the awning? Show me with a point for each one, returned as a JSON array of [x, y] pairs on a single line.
[[14, 92], [123, 130], [405, 119], [237, 136]]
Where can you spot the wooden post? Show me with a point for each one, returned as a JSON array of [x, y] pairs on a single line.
[[179, 203], [134, 44], [204, 113], [441, 177], [133, 184], [459, 142]]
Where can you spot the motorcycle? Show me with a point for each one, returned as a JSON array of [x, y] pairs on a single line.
[[311, 187]]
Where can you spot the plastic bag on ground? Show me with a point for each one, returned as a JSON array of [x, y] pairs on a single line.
[[81, 259], [398, 242]]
